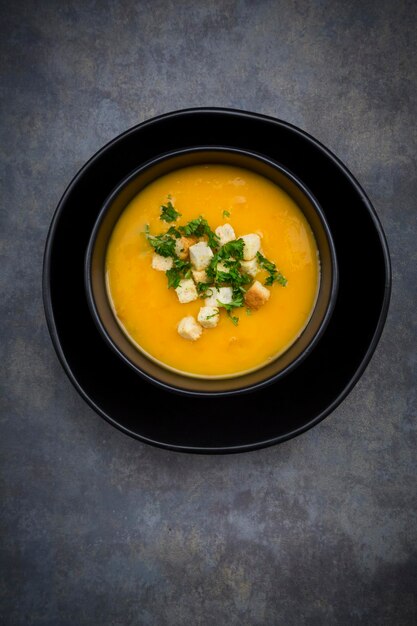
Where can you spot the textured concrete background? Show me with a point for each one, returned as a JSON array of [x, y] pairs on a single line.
[[97, 528]]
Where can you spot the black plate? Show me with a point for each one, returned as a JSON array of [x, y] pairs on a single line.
[[262, 418]]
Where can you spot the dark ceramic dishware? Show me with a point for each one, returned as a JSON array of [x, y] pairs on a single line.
[[95, 276], [229, 424]]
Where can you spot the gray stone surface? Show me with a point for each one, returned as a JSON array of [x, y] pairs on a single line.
[[97, 528]]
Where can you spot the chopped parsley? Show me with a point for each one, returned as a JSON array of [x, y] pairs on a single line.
[[208, 317], [204, 290], [200, 228], [163, 244], [224, 269], [229, 308], [233, 249], [173, 231], [168, 212], [179, 270], [275, 275], [229, 256], [236, 303]]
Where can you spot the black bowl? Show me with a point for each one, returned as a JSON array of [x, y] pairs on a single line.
[[243, 422], [95, 274]]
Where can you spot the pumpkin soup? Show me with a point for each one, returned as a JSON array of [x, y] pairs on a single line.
[[212, 270]]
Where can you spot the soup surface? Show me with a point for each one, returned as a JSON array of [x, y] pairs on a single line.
[[149, 312]]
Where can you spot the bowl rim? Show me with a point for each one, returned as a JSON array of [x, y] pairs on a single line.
[[263, 382], [47, 272]]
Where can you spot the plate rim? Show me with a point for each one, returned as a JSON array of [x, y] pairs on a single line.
[[49, 314]]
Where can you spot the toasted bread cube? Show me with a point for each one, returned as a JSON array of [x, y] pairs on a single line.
[[161, 263], [250, 267], [199, 276], [257, 295], [182, 244], [223, 295], [226, 233], [200, 255], [189, 329], [186, 291], [208, 316], [252, 246]]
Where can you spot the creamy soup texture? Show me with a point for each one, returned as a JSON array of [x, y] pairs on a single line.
[[149, 313]]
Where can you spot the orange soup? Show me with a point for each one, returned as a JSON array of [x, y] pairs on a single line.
[[243, 338]]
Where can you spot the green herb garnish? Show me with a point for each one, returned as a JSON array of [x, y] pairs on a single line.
[[179, 270], [229, 258], [236, 303], [233, 249], [204, 290], [168, 212], [200, 228], [229, 308], [208, 317], [163, 244], [275, 275], [174, 232], [229, 255]]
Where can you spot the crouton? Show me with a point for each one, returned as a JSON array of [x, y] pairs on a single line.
[[252, 246], [161, 263], [225, 233], [189, 329], [223, 295], [208, 316], [182, 245], [199, 276], [257, 295], [200, 255], [250, 267], [186, 291]]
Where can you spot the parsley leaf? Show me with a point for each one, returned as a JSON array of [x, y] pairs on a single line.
[[168, 213], [173, 231], [210, 316], [234, 304], [229, 308], [180, 269], [230, 274], [229, 256], [274, 274], [204, 290], [233, 249], [174, 277], [226, 214], [163, 244], [200, 228]]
